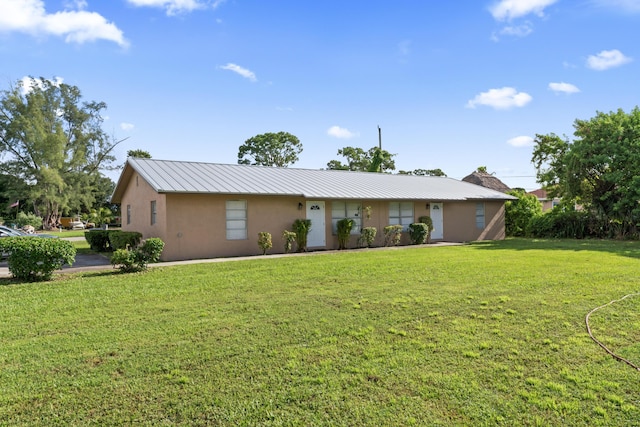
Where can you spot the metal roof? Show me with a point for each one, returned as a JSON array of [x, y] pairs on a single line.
[[210, 178]]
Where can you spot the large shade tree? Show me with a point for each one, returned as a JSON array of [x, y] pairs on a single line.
[[53, 141], [357, 159], [599, 169], [270, 149]]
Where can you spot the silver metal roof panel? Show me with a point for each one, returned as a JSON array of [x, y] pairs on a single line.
[[197, 177]]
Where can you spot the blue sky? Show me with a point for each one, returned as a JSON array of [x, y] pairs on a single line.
[[452, 84]]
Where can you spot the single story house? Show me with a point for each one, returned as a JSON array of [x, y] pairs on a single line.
[[205, 210]]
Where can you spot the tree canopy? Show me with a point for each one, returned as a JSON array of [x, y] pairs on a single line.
[[53, 141], [599, 169], [270, 149], [139, 154], [357, 159], [424, 172]]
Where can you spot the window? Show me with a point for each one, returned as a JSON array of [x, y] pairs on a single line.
[[480, 215], [236, 219], [401, 213], [341, 210], [153, 212], [128, 214]]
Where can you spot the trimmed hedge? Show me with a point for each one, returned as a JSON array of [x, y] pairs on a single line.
[[111, 240], [36, 258], [124, 239]]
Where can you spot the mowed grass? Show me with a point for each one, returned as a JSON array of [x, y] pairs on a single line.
[[484, 334]]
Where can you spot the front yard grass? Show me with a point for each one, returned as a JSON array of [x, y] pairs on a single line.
[[491, 333]]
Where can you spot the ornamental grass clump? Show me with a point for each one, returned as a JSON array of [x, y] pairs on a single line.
[[302, 227], [345, 225]]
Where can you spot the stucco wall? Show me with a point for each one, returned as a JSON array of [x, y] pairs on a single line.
[[460, 221], [139, 195], [194, 225]]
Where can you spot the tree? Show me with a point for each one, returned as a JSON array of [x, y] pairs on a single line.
[[54, 142], [424, 172], [518, 213], [373, 160], [599, 169], [139, 154], [270, 149]]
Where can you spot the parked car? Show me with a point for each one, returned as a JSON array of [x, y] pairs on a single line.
[[12, 232]]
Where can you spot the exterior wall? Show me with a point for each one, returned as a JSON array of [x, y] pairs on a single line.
[[139, 195], [460, 221], [194, 225]]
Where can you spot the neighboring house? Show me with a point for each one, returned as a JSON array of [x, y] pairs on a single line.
[[204, 210], [547, 204], [486, 180]]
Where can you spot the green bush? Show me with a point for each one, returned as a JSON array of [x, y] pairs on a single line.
[[392, 235], [301, 227], [36, 258], [418, 233], [24, 219], [518, 213], [345, 225], [138, 259], [123, 239], [563, 222], [367, 237], [264, 241], [429, 222], [289, 237], [98, 240]]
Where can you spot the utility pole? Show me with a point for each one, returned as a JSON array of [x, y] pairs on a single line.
[[380, 145]]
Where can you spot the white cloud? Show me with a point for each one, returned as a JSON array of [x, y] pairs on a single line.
[[521, 141], [175, 7], [126, 126], [79, 26], [517, 31], [247, 74], [607, 59], [341, 133], [563, 87], [501, 99], [505, 10]]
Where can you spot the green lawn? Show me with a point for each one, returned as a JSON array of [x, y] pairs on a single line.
[[485, 334]]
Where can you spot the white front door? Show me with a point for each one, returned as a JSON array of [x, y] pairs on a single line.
[[436, 215], [316, 237]]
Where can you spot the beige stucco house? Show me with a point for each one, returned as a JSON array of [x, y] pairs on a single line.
[[205, 210]]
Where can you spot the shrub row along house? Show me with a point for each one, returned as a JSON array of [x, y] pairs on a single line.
[[204, 210]]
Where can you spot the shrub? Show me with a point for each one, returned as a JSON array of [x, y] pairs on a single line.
[[264, 241], [345, 225], [518, 213], [301, 227], [392, 235], [429, 222], [24, 219], [123, 239], [137, 259], [98, 240], [367, 237], [289, 237], [35, 258], [418, 233]]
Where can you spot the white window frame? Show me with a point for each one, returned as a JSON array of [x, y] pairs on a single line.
[[128, 214], [401, 213], [480, 216], [236, 219], [341, 209]]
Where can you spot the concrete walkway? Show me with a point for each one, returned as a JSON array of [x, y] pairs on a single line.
[[99, 262]]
